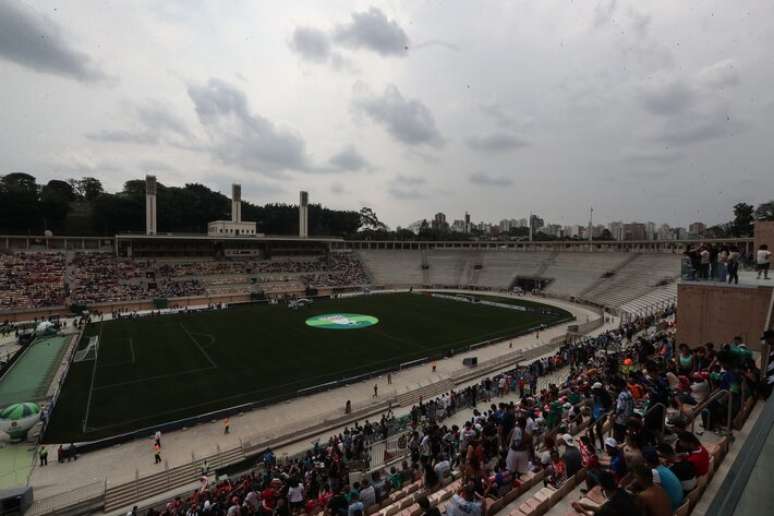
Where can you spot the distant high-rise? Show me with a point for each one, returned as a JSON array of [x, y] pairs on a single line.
[[303, 215], [439, 222], [467, 222], [150, 205], [697, 228]]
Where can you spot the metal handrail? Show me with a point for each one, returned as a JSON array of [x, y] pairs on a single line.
[[704, 404]]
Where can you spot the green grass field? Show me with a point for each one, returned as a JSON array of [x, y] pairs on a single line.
[[154, 370]]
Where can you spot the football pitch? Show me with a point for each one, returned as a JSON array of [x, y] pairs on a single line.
[[154, 370]]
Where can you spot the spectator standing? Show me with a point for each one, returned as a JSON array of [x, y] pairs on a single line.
[[732, 266], [762, 260]]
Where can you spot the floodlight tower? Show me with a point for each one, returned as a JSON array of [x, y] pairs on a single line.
[[303, 215], [150, 205]]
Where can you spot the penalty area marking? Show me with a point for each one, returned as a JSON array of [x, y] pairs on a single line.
[[91, 385], [201, 348], [132, 361]]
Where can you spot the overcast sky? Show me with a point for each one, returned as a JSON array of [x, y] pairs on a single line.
[[658, 110]]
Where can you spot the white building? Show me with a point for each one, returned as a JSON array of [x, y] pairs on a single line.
[[236, 226]]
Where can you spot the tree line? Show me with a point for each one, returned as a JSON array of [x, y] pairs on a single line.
[[83, 207]]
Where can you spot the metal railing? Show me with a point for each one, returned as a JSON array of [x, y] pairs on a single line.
[[717, 395]]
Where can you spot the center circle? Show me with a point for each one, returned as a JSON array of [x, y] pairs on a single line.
[[341, 321]]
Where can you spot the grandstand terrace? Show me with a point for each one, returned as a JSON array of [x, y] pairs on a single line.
[[60, 271]]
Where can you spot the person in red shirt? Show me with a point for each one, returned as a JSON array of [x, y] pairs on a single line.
[[694, 451]]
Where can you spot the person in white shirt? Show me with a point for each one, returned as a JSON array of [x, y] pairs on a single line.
[[442, 467], [762, 259]]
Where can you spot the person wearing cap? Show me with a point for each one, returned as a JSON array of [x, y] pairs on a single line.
[[617, 461], [571, 456], [652, 497], [600, 408], [664, 476]]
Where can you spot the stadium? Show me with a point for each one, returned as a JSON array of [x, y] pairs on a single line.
[[564, 307], [260, 344]]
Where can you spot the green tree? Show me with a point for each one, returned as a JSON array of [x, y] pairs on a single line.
[[742, 226], [19, 204], [55, 199], [369, 220], [87, 188]]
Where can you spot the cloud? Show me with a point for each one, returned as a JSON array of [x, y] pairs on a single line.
[[241, 138], [154, 165], [720, 75], [666, 96], [123, 136], [400, 179], [436, 43], [498, 114], [656, 156], [156, 117], [406, 193], [698, 127], [372, 30], [338, 188], [603, 12], [311, 44], [33, 41], [407, 120], [496, 142], [349, 159], [482, 179], [156, 122], [691, 110]]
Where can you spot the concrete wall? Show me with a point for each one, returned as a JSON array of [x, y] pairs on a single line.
[[764, 234], [717, 313]]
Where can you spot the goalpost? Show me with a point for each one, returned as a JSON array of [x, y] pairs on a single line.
[[89, 352]]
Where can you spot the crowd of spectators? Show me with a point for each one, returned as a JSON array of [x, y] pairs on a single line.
[[46, 279], [605, 413], [31, 280], [710, 262]]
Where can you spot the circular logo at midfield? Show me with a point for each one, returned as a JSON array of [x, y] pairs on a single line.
[[341, 321]]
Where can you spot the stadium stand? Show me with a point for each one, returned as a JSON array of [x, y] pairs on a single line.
[[31, 279], [639, 276], [575, 272], [393, 267], [605, 278], [500, 268]]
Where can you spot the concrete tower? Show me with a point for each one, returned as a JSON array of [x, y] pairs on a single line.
[[150, 205], [303, 215], [236, 203]]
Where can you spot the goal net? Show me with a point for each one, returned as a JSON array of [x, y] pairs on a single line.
[[89, 352]]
